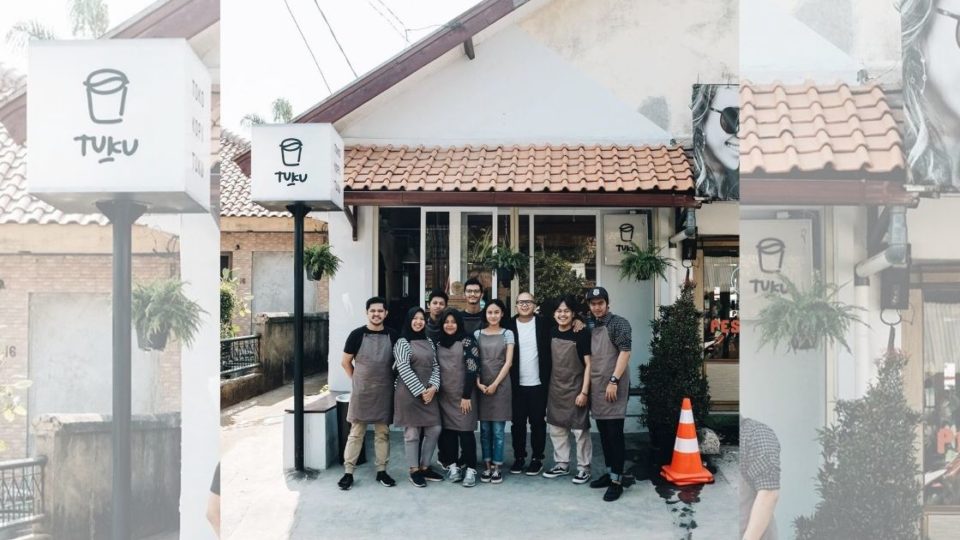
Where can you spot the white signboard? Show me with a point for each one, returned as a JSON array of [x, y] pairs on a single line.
[[297, 163], [619, 230], [112, 119], [769, 249]]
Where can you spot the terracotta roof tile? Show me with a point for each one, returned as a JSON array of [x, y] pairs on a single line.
[[812, 128], [518, 168], [234, 185]]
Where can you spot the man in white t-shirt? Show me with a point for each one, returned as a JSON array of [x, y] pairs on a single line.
[[529, 375]]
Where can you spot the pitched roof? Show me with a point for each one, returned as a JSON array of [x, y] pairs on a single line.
[[518, 168], [234, 185], [812, 128]]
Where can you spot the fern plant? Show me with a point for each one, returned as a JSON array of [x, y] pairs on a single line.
[[159, 308], [506, 262], [642, 264], [319, 261], [802, 319]]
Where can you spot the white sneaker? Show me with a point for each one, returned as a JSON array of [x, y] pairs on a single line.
[[470, 477], [453, 473], [582, 477], [555, 471]]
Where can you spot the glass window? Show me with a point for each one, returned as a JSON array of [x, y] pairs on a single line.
[[941, 400], [399, 261], [721, 315], [565, 251], [437, 268]]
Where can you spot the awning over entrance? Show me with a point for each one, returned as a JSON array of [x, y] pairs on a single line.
[[519, 176]]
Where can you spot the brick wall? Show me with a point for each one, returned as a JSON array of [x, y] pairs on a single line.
[[242, 262], [26, 274]]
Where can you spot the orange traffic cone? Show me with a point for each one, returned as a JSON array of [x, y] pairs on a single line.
[[686, 468]]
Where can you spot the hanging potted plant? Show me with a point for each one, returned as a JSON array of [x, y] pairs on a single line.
[[159, 308], [506, 262], [319, 261], [802, 319], [642, 264]]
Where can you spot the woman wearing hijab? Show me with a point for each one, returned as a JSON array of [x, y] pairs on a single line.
[[459, 357], [415, 409], [496, 356]]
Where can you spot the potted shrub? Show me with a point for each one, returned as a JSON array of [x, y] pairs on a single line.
[[507, 262], [802, 319], [319, 261], [642, 264], [159, 308]]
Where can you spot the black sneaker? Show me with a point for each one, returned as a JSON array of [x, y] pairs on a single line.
[[535, 468], [431, 475], [385, 479], [602, 482], [346, 481], [416, 478], [613, 492], [517, 467]]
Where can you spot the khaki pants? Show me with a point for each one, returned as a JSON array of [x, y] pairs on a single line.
[[561, 446], [381, 445]]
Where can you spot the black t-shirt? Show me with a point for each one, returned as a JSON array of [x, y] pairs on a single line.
[[581, 338], [471, 321], [355, 339]]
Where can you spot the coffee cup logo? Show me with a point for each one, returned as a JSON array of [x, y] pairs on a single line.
[[106, 95], [626, 232], [290, 152], [770, 252]]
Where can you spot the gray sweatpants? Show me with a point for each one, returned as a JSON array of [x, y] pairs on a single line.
[[419, 454]]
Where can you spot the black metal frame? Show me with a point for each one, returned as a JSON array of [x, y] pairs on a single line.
[[239, 356], [22, 490]]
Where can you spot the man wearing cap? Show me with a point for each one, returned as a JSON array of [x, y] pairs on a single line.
[[609, 386]]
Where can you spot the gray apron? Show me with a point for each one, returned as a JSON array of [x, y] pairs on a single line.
[[410, 410], [371, 400], [493, 355], [471, 325], [602, 363], [566, 382], [452, 378], [747, 496]]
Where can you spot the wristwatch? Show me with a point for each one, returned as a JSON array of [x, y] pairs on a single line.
[[614, 379]]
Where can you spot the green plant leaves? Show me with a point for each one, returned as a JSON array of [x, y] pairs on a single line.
[[643, 264], [320, 259], [160, 306]]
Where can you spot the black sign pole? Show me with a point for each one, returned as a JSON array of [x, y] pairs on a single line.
[[299, 211], [122, 214]]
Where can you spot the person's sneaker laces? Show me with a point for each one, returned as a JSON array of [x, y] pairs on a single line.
[[602, 482], [470, 478], [486, 475], [444, 467], [385, 479], [431, 475], [582, 477], [453, 473], [517, 467], [416, 478], [497, 476], [555, 471], [613, 492], [346, 481], [535, 468]]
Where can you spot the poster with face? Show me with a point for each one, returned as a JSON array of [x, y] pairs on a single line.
[[716, 148], [930, 40]]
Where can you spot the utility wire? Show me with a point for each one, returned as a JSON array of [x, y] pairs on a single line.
[[322, 77], [390, 11], [401, 33], [335, 40]]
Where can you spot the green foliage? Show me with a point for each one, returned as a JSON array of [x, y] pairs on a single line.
[[502, 257], [642, 264], [231, 304], [160, 307], [555, 277], [801, 319], [868, 482], [90, 18], [675, 370], [282, 111], [320, 261], [10, 404], [22, 32]]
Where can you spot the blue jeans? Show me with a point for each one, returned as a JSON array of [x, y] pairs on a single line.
[[491, 441]]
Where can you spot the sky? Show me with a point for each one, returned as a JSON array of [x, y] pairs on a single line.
[[263, 56], [53, 14]]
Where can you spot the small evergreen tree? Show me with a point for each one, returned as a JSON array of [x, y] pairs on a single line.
[[675, 370], [869, 478]]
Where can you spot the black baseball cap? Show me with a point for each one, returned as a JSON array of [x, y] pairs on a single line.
[[598, 292]]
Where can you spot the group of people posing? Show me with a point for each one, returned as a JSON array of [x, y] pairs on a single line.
[[447, 370]]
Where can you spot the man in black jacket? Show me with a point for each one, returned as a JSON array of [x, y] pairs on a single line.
[[529, 375]]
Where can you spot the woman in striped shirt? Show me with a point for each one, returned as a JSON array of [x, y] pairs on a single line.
[[414, 403]]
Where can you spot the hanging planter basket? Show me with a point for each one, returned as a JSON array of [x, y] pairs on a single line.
[[803, 343], [156, 341], [314, 276], [319, 260], [160, 308], [505, 276]]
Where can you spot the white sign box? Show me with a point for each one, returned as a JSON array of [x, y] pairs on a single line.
[[619, 230], [297, 163], [770, 249], [118, 119]]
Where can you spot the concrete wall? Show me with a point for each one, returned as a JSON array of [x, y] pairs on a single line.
[[273, 283], [78, 474], [276, 345]]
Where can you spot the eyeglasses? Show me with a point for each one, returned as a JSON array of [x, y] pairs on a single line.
[[526, 303], [729, 119], [954, 16], [472, 291]]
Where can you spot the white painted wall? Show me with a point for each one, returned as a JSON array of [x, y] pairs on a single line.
[[930, 229], [273, 284]]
